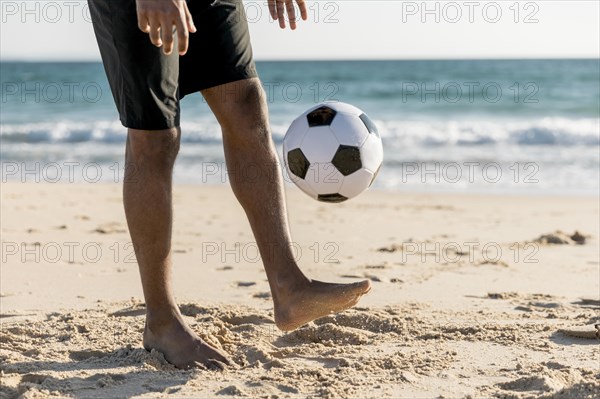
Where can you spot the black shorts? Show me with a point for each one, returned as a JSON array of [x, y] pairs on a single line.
[[147, 84]]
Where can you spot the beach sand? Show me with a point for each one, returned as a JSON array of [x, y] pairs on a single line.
[[473, 296]]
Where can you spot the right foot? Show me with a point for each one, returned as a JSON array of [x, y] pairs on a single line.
[[182, 347], [313, 300]]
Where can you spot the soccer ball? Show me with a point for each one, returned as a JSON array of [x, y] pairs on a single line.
[[332, 151]]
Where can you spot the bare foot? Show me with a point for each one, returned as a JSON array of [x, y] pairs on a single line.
[[182, 347], [315, 299]]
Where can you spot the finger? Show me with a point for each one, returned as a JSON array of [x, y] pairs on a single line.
[[183, 36], [303, 12], [273, 9], [281, 13], [143, 23], [291, 12], [155, 33], [166, 33], [188, 19]]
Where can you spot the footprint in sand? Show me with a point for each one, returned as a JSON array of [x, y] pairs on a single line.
[[132, 311], [384, 266], [110, 228], [374, 278], [588, 302], [561, 238], [245, 283], [34, 378], [86, 354], [231, 390], [591, 331], [371, 277], [391, 249]]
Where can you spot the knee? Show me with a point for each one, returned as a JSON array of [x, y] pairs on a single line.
[[158, 147], [248, 110]]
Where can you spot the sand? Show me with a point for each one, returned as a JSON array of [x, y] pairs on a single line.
[[473, 296]]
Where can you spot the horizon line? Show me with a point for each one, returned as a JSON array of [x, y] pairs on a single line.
[[548, 58]]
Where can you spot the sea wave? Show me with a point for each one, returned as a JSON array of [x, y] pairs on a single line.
[[545, 131]]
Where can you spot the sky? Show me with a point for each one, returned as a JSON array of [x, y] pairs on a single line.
[[344, 29]]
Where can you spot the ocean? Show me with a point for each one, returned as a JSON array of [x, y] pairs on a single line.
[[469, 126]]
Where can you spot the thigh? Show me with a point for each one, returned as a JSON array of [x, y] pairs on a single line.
[[143, 80], [220, 51]]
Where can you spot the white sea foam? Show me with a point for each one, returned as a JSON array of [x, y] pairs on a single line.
[[545, 131]]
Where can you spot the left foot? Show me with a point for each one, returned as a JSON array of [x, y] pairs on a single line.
[[312, 300], [181, 346]]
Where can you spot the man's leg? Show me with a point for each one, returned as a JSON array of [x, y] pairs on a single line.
[[150, 156], [241, 110]]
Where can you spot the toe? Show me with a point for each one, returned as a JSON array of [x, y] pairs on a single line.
[[221, 357], [201, 365], [218, 365], [364, 286]]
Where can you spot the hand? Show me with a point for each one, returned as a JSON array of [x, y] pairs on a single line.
[[158, 17], [277, 9]]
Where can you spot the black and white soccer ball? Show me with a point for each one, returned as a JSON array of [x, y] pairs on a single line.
[[333, 151]]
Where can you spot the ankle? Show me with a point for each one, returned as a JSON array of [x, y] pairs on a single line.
[[288, 282], [159, 319]]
